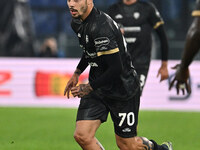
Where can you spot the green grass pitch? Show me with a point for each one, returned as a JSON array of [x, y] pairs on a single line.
[[52, 129]]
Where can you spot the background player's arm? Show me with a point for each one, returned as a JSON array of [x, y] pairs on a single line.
[[192, 44], [163, 70], [191, 48], [157, 22]]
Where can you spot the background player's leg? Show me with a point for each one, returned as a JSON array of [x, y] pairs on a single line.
[[85, 134]]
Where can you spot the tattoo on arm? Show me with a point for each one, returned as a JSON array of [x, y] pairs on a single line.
[[77, 71], [85, 88], [81, 88]]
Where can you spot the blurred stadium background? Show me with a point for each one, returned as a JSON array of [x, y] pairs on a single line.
[[34, 115]]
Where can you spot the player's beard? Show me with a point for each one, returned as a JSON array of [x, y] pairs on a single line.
[[82, 11], [130, 0]]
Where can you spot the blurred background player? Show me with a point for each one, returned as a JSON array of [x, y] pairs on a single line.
[[49, 48], [136, 20], [192, 46], [16, 30], [110, 81]]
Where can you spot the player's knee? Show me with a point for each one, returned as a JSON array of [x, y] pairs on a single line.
[[82, 139]]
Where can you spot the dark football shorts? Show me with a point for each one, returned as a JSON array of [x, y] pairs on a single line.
[[123, 113], [142, 75]]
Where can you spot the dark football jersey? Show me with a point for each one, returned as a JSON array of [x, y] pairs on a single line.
[[196, 12], [99, 35], [137, 21]]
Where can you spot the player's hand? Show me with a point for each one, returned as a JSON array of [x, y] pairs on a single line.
[[182, 80], [122, 31], [70, 84], [163, 72], [81, 90]]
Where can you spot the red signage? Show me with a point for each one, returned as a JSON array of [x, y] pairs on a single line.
[[5, 76]]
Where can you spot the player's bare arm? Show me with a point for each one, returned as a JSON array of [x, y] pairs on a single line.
[[181, 79], [192, 45], [72, 82], [81, 90], [163, 71]]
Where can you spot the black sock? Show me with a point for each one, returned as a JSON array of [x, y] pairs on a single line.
[[157, 147]]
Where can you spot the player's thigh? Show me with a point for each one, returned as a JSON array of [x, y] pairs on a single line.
[[92, 108], [125, 116], [87, 128]]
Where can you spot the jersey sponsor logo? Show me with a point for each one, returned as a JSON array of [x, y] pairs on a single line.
[[126, 130], [132, 29], [103, 48], [136, 15], [118, 16], [101, 41], [130, 40], [93, 64], [86, 39]]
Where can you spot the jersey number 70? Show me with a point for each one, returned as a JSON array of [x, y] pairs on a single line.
[[130, 118]]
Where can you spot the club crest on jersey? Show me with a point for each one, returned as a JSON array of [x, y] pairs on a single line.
[[101, 41], [118, 16], [136, 15]]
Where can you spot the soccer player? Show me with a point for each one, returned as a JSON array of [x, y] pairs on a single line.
[[191, 48], [137, 19], [110, 79]]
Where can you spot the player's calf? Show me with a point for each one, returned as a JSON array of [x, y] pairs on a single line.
[[135, 143], [145, 143]]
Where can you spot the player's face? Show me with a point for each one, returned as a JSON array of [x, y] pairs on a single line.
[[78, 8], [129, 2]]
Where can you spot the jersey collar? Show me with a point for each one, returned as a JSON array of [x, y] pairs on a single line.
[[90, 16]]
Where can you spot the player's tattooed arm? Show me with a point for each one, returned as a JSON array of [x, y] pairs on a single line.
[[77, 71], [72, 82], [81, 90]]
